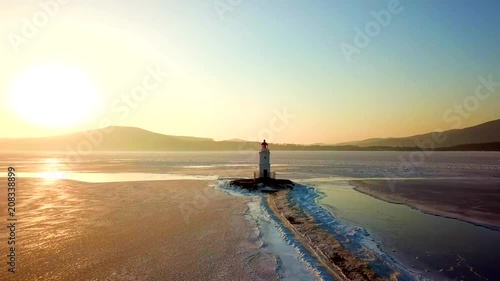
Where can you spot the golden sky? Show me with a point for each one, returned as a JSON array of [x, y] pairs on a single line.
[[256, 70]]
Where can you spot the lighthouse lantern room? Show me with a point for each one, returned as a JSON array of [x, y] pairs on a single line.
[[265, 161]]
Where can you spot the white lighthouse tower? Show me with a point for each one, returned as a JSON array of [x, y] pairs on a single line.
[[265, 161]]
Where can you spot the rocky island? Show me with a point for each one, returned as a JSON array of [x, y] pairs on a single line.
[[269, 185]]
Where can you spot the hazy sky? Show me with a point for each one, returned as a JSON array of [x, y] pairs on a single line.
[[235, 66]]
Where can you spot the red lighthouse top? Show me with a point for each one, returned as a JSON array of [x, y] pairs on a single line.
[[264, 144]]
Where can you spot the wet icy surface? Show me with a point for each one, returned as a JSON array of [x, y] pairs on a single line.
[[109, 177], [427, 245], [294, 262], [418, 241]]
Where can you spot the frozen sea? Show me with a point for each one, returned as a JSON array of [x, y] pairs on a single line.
[[421, 246]]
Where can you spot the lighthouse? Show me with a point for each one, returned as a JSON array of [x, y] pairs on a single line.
[[265, 161], [265, 182]]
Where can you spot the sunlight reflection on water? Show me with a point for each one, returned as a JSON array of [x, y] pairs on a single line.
[[110, 177]]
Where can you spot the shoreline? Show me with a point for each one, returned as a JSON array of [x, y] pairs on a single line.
[[362, 187], [341, 263]]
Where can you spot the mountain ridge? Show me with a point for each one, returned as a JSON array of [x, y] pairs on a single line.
[[481, 137], [487, 132]]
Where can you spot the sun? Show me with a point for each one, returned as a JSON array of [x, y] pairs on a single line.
[[54, 95]]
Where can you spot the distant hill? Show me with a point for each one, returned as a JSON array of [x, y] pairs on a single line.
[[319, 143], [236, 140], [122, 139], [488, 132], [111, 139], [491, 146], [482, 137]]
